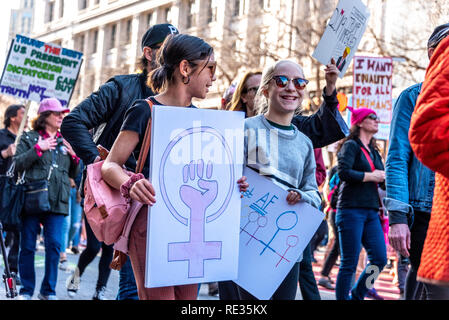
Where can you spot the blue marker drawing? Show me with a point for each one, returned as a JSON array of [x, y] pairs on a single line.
[[284, 225]]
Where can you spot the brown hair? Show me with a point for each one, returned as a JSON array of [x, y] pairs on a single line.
[[236, 103], [40, 122], [354, 132]]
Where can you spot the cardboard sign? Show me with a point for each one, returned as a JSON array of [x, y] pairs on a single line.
[[373, 89], [273, 235], [342, 35], [193, 229], [35, 70]]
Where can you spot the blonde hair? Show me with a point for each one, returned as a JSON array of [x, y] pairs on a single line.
[[236, 103], [260, 101]]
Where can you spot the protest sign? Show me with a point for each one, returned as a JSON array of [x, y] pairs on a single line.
[[35, 70], [343, 34], [193, 228], [273, 235], [372, 88]]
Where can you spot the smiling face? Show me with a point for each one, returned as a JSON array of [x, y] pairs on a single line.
[[202, 77], [288, 98]]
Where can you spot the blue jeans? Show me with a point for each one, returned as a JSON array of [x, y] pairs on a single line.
[[357, 227], [75, 219], [127, 288], [52, 224]]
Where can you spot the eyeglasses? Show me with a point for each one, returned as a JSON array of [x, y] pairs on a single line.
[[252, 89], [372, 116], [282, 82], [58, 113], [212, 65]]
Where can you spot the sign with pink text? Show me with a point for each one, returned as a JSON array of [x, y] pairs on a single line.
[[342, 35], [273, 235], [372, 88], [196, 158], [35, 70]]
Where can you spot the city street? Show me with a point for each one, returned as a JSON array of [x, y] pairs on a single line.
[[384, 284]]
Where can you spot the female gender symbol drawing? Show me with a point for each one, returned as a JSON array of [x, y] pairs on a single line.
[[198, 200]]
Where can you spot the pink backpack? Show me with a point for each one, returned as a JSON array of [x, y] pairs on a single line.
[[109, 214]]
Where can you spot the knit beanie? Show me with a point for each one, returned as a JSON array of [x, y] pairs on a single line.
[[358, 115]]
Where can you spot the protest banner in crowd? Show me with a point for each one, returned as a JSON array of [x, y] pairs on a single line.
[[343, 34], [35, 70], [372, 88]]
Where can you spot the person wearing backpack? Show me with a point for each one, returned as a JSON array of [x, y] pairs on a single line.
[[186, 71], [103, 111]]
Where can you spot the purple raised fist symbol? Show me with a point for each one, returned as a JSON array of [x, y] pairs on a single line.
[[198, 200]]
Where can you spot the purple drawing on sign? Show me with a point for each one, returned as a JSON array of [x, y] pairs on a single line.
[[198, 199]]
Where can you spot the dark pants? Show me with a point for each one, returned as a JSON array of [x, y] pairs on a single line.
[[88, 255], [332, 257], [415, 290], [357, 227], [318, 237], [286, 291], [127, 288], [52, 224], [228, 290], [307, 281], [13, 239]]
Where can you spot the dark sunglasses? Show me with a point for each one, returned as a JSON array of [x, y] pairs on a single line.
[[58, 113], [372, 116], [282, 82], [253, 89], [212, 65]]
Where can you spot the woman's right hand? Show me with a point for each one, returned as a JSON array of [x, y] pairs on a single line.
[[47, 144], [143, 191], [376, 176]]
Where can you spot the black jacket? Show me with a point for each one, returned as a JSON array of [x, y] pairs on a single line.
[[324, 127], [107, 107], [352, 165], [6, 138]]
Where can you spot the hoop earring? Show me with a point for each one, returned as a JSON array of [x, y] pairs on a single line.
[[188, 80]]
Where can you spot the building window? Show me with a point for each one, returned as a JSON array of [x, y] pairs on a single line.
[[61, 8], [81, 43], [82, 4], [96, 2], [212, 11], [25, 3], [236, 9], [191, 13], [50, 11], [129, 29], [150, 18], [94, 41], [113, 36], [168, 15]]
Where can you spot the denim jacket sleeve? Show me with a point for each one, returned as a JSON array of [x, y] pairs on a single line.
[[399, 156]]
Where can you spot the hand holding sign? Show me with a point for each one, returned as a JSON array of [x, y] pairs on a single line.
[[331, 75]]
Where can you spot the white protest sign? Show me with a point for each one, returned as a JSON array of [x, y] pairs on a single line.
[[193, 229], [35, 70], [373, 89], [273, 235], [343, 34]]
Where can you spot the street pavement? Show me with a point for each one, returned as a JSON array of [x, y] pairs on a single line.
[[384, 284]]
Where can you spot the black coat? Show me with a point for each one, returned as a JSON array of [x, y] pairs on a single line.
[[106, 106]]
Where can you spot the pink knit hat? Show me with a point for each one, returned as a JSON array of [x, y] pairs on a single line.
[[358, 115], [51, 104]]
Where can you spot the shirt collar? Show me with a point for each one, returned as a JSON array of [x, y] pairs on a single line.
[[44, 134]]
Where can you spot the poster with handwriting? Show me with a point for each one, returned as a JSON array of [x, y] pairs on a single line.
[[372, 88], [35, 70], [342, 35], [273, 235]]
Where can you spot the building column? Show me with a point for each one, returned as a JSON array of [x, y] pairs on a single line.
[[101, 52]]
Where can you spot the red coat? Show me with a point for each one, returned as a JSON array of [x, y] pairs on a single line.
[[429, 138]]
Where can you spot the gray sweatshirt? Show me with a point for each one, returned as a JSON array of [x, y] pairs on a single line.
[[285, 156]]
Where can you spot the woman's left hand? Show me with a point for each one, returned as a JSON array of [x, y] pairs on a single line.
[[293, 197], [243, 185], [331, 76], [69, 148]]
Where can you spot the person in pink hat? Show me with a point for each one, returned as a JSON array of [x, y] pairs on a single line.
[[43, 155], [361, 171]]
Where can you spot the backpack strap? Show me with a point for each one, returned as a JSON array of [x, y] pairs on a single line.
[[146, 142]]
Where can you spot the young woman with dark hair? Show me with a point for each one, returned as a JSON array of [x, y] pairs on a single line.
[[186, 71]]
